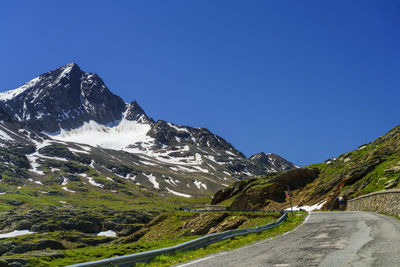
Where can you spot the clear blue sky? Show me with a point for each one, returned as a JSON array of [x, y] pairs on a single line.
[[307, 80]]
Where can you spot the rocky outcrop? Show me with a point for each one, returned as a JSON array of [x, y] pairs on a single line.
[[392, 183], [233, 223], [204, 222], [258, 197], [296, 178], [43, 244], [231, 191], [258, 194], [363, 169]]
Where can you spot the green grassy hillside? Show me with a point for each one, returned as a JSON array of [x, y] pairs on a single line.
[[369, 168]]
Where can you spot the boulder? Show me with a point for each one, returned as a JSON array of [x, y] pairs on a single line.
[[15, 202], [230, 224], [203, 223], [49, 243], [43, 244], [392, 170], [15, 262], [258, 197], [23, 248], [132, 238], [392, 183], [6, 247], [129, 229]]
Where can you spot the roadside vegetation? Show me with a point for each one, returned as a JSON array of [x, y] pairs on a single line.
[[291, 223], [168, 229]]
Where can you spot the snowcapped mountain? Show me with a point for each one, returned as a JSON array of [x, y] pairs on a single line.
[[70, 128]]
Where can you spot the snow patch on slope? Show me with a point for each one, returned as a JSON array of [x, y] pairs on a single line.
[[199, 184], [16, 233], [152, 180], [91, 180], [5, 136], [68, 190], [32, 161], [179, 129], [177, 193], [107, 233], [317, 206], [117, 137]]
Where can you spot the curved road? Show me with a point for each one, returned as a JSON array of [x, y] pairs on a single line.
[[325, 239]]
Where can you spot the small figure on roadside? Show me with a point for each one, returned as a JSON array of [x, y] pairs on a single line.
[[341, 203]]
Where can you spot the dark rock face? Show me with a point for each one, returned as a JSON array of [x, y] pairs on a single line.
[[4, 116], [163, 133], [296, 178], [64, 98]]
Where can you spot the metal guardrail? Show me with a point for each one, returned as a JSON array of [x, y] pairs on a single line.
[[132, 259], [202, 209]]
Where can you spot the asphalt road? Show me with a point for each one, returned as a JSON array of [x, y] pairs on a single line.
[[325, 239]]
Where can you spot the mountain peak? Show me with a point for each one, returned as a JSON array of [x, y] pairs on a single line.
[[259, 156], [273, 160], [63, 98], [70, 66], [65, 74]]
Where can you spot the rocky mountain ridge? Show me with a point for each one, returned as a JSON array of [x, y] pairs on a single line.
[[75, 134]]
